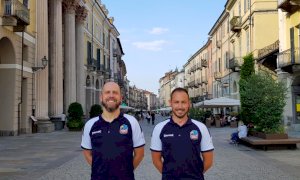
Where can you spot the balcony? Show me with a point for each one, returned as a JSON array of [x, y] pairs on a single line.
[[236, 24], [289, 6], [204, 80], [15, 14], [217, 76], [289, 60], [204, 63], [91, 64], [235, 64]]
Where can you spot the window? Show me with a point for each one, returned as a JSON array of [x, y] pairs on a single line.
[[89, 50], [249, 5], [228, 25], [240, 8], [240, 46], [248, 40], [245, 6], [25, 2], [219, 63]]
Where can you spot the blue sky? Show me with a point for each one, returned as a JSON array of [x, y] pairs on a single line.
[[159, 35]]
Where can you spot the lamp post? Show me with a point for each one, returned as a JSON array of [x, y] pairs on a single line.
[[44, 64]]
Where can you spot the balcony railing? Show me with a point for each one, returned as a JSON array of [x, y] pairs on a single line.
[[91, 64], [217, 76], [268, 49], [236, 24], [288, 58], [235, 63], [14, 8], [289, 5]]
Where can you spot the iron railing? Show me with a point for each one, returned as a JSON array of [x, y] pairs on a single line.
[[17, 9]]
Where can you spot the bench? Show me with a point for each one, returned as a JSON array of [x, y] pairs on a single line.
[[290, 143]]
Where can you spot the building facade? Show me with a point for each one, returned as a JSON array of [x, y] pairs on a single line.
[[54, 53], [289, 58]]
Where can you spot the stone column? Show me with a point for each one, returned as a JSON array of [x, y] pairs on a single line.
[[44, 125], [55, 58], [81, 14], [69, 52]]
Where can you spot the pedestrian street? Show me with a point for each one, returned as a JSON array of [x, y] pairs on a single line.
[[58, 156]]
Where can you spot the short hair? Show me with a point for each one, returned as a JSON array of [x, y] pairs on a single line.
[[179, 89]]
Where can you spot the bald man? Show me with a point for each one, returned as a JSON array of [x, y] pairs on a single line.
[[112, 143]]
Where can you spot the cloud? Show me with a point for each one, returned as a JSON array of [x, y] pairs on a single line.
[[151, 45], [158, 30]]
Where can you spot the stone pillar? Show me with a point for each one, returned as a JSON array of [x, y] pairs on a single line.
[[69, 52], [81, 14], [44, 125], [55, 58], [288, 110]]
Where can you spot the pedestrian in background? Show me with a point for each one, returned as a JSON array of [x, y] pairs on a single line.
[[152, 117], [113, 143], [181, 147]]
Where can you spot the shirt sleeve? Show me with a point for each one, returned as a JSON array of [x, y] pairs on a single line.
[[156, 144], [137, 133], [206, 141], [86, 139]]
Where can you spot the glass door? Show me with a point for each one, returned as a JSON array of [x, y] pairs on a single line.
[[297, 120]]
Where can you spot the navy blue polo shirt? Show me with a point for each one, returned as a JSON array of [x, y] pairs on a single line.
[[112, 146], [180, 147]]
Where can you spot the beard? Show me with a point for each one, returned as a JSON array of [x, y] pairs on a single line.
[[111, 108], [180, 116]]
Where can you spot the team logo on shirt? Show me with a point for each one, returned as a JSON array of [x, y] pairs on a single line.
[[123, 129], [194, 134]]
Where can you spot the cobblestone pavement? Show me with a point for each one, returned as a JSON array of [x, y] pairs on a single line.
[[57, 156]]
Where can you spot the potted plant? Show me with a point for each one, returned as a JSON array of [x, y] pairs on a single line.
[[264, 99], [75, 114]]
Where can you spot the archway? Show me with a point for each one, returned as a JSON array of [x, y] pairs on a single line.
[[8, 88]]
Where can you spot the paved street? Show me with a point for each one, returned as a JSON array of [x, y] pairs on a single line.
[[57, 156]]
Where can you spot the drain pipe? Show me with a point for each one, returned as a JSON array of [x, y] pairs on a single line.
[[22, 68]]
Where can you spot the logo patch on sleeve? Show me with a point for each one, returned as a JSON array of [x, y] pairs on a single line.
[[123, 129], [194, 135]]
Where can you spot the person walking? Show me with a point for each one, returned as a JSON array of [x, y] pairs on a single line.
[[113, 143], [181, 147], [152, 117]]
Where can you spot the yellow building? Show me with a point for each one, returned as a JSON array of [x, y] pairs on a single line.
[[102, 53], [17, 56], [197, 74], [289, 59], [223, 78]]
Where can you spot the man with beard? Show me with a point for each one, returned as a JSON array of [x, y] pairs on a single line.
[[113, 143], [181, 147]]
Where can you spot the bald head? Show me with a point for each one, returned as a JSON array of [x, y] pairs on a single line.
[[111, 86]]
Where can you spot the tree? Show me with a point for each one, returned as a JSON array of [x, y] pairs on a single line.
[[263, 100], [247, 70], [75, 114], [96, 110]]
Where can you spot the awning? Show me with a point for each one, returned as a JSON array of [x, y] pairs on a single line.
[[218, 102]]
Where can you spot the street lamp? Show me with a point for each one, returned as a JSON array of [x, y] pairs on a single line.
[[44, 64]]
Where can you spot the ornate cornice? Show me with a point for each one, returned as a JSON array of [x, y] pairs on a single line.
[[70, 6], [81, 14]]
